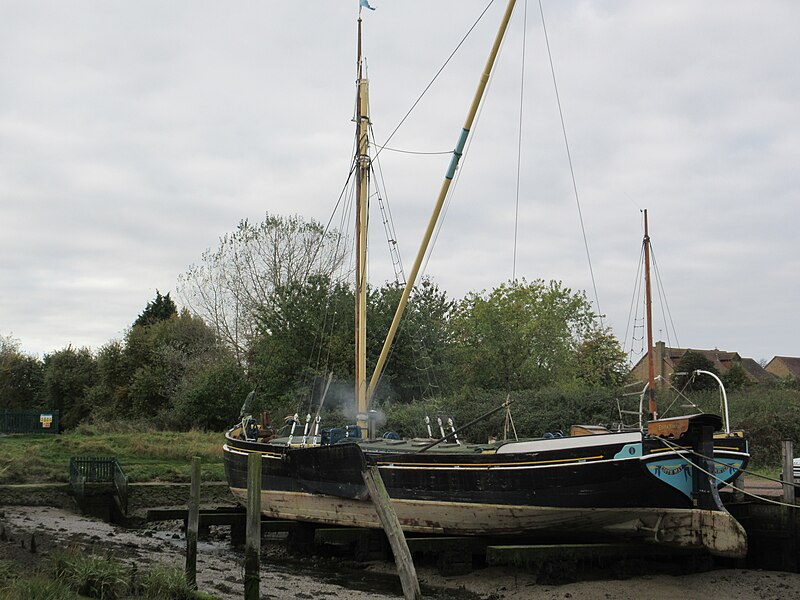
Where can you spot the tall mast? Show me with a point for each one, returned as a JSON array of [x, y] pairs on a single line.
[[362, 192], [651, 381], [448, 178]]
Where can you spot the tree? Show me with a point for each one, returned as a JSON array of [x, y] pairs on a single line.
[[21, 376], [211, 396], [305, 331], [161, 308], [601, 360], [233, 284], [160, 370], [688, 364], [520, 335], [418, 364], [735, 378], [107, 397], [156, 361], [68, 375]]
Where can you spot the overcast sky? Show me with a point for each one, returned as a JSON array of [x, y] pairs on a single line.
[[134, 134]]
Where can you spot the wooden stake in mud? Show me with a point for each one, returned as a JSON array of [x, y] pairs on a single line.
[[788, 472], [252, 552], [192, 524], [391, 525]]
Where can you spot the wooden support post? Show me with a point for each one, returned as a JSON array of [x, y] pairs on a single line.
[[192, 523], [790, 544], [391, 525], [788, 472], [252, 551]]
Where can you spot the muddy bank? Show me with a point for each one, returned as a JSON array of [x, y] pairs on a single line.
[[219, 568], [140, 495], [220, 571]]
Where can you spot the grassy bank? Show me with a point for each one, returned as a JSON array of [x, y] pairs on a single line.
[[145, 455], [74, 575]]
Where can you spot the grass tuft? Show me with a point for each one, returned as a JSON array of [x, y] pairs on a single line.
[[165, 582], [37, 587], [91, 575]]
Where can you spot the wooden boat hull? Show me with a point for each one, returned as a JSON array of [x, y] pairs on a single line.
[[615, 484], [688, 528]]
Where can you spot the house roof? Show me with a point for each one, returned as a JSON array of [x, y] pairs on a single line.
[[722, 361], [755, 371], [791, 363]]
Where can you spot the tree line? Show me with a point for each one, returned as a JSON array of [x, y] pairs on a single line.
[[271, 310]]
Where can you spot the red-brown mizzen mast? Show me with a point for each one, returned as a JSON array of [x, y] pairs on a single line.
[[651, 381]]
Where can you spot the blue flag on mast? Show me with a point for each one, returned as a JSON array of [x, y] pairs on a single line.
[[365, 4]]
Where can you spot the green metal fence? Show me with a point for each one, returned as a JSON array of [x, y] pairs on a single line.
[[28, 421], [98, 470]]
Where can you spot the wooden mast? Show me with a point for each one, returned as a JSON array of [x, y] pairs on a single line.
[[448, 178], [362, 194], [651, 382]]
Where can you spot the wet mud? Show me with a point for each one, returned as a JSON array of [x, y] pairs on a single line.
[[283, 577]]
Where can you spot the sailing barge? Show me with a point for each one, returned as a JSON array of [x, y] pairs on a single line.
[[659, 484]]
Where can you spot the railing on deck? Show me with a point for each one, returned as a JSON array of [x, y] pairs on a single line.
[[99, 471], [28, 421]]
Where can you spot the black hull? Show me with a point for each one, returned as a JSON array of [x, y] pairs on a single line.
[[601, 483], [618, 483]]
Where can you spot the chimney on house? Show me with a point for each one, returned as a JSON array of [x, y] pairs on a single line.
[[658, 359]]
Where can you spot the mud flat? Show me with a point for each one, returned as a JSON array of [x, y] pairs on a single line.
[[220, 568]]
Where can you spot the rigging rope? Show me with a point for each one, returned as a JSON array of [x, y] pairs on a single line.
[[569, 159], [435, 77], [463, 162], [637, 286], [681, 450], [411, 151], [665, 304], [519, 141]]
